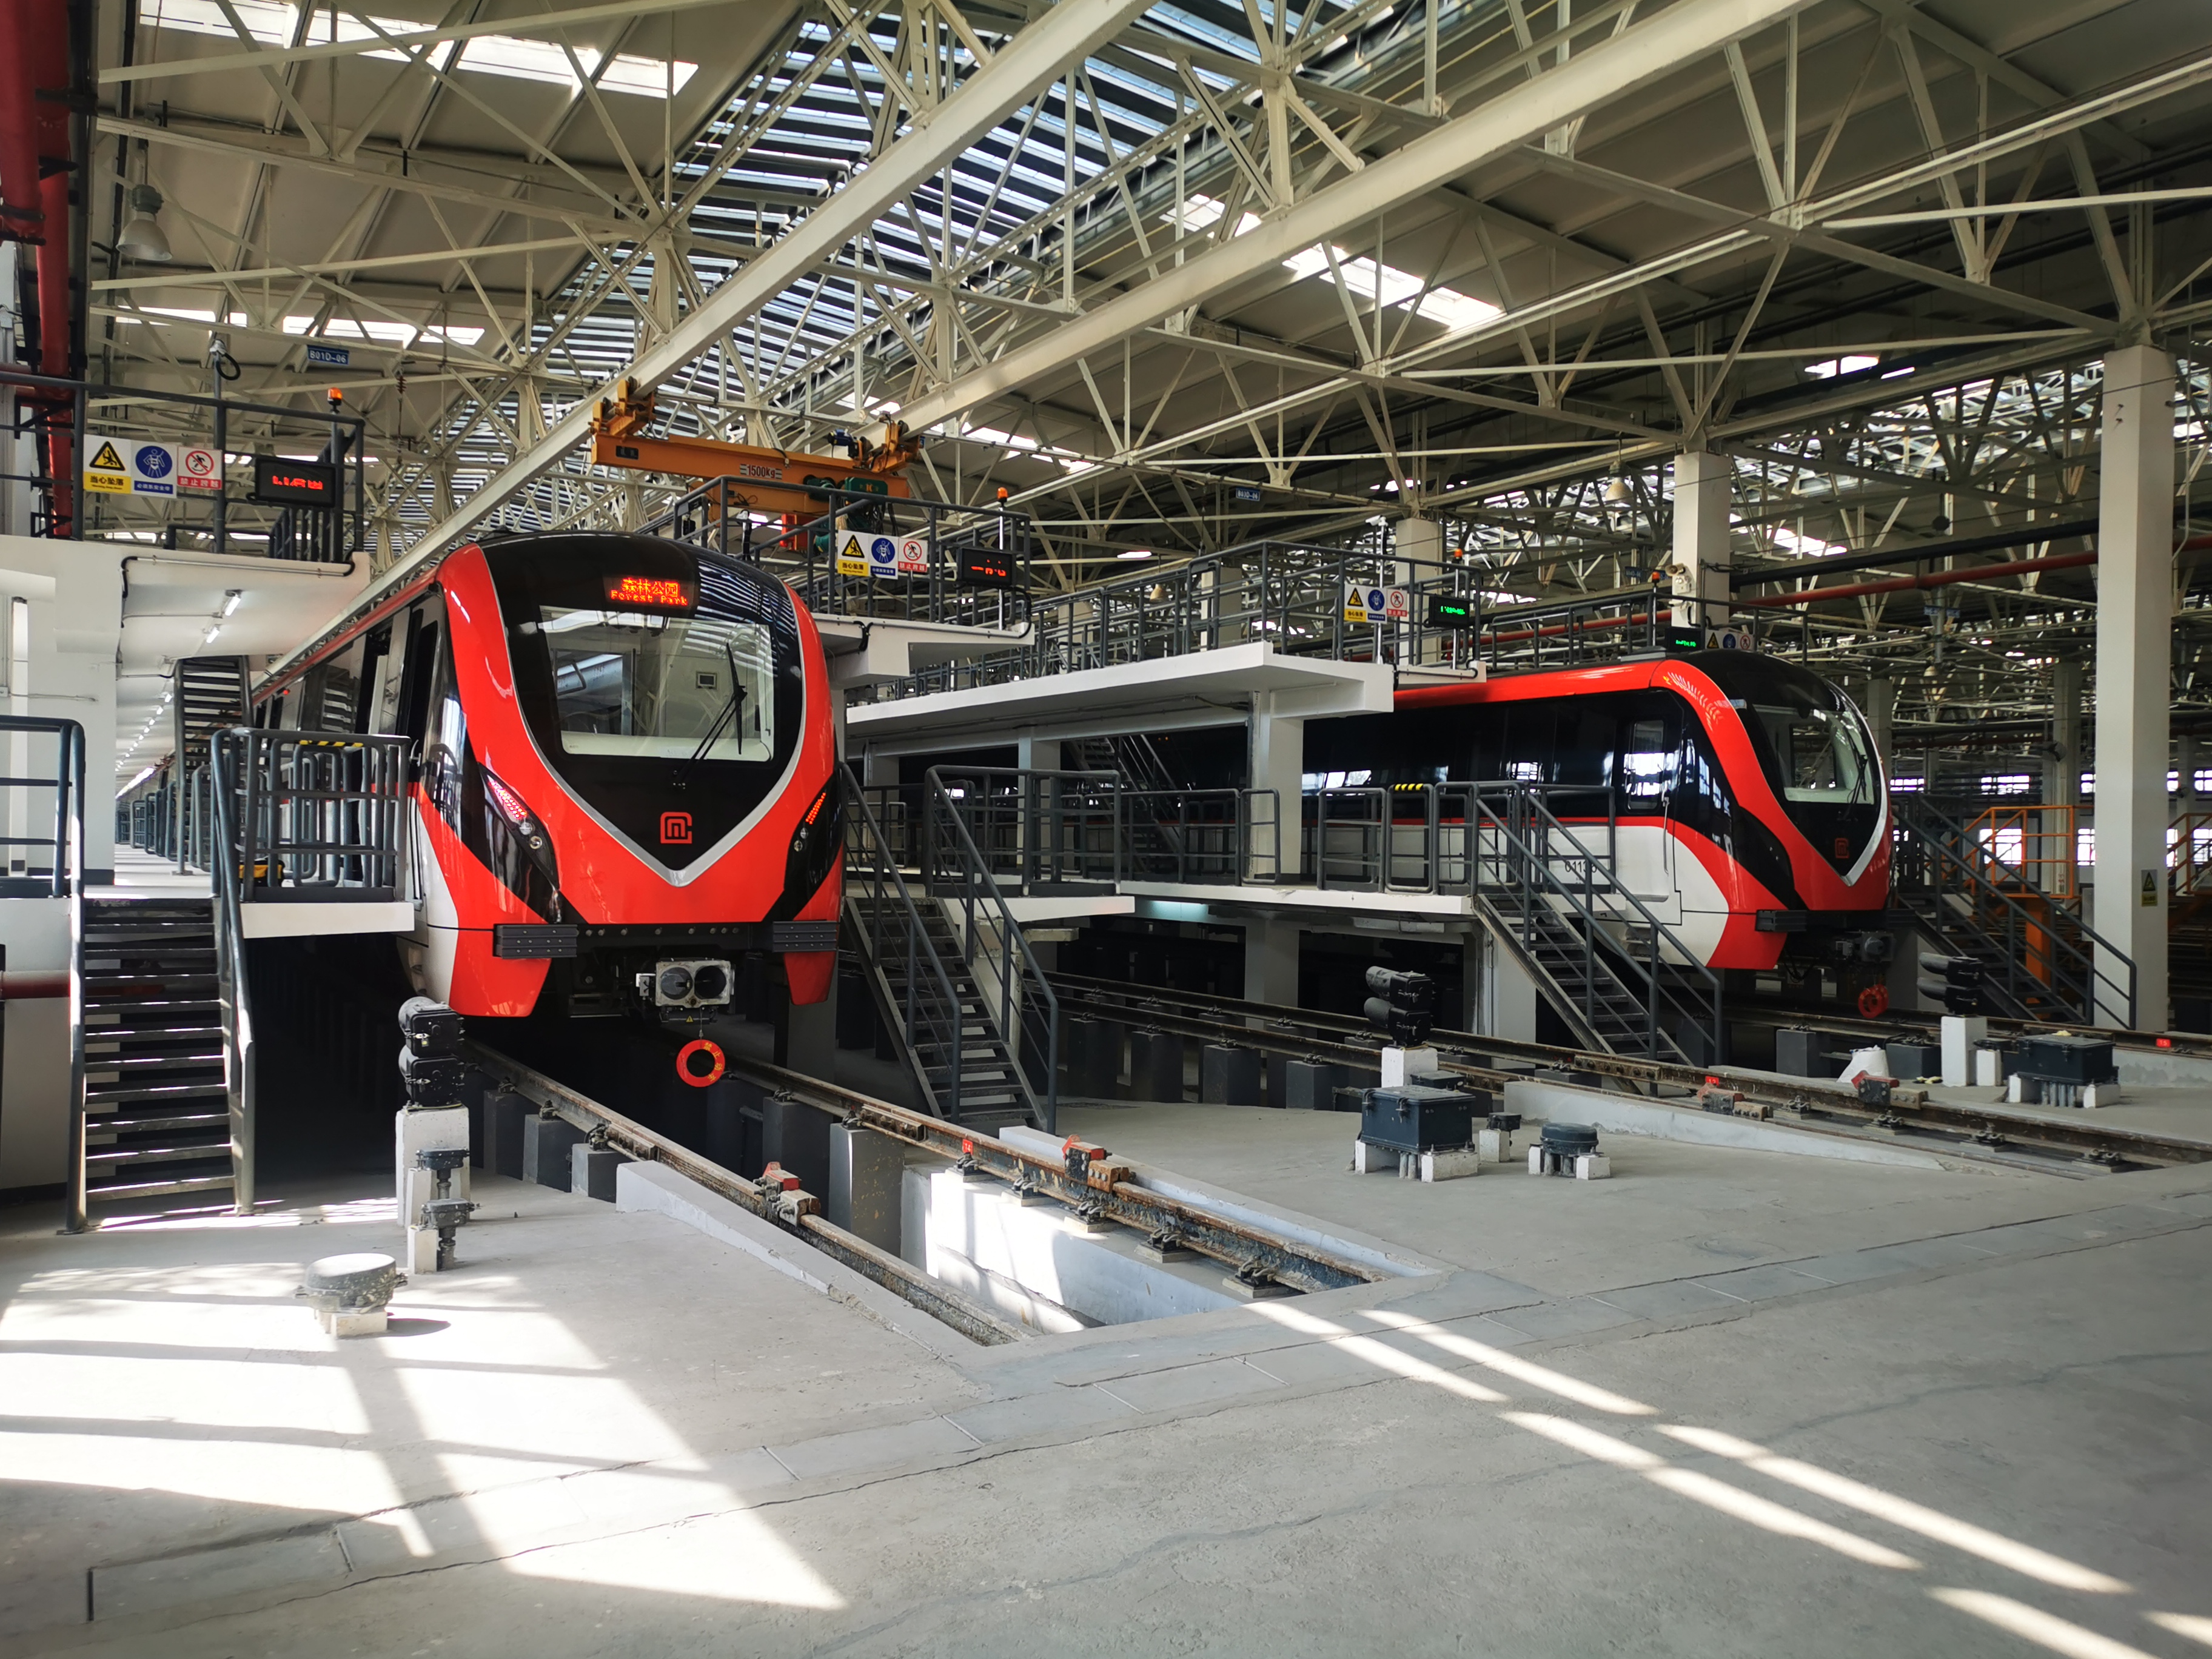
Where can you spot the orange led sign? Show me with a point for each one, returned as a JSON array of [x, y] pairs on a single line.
[[653, 592]]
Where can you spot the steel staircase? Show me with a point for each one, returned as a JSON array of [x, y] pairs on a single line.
[[2040, 960], [1605, 962], [157, 1112], [210, 697], [928, 997]]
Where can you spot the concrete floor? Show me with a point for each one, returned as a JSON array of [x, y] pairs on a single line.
[[1729, 1403]]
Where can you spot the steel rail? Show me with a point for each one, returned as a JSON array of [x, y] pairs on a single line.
[[1972, 1131], [1108, 1195], [941, 1302]]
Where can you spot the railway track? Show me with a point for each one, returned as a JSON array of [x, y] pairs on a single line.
[[2199, 1047], [1103, 1192], [1990, 1134]]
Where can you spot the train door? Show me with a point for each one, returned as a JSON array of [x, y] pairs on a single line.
[[1651, 743]]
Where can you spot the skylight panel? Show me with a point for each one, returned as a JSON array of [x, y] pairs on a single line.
[[273, 22], [1368, 281], [1835, 366]]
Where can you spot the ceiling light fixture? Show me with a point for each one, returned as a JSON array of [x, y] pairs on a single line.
[[142, 237]]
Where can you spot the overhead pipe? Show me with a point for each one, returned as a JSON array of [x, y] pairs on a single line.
[[1947, 578], [38, 162]]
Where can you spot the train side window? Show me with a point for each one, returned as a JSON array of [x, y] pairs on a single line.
[[1526, 755], [1649, 755]]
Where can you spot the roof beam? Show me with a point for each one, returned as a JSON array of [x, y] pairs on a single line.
[[1645, 53], [1070, 32]]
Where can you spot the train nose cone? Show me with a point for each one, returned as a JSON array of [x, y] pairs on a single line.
[[675, 983]]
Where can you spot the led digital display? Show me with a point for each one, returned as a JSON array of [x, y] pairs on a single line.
[[653, 592], [986, 568], [1445, 611], [294, 484]]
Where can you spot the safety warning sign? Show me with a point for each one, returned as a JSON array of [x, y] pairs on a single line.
[[130, 466], [851, 556]]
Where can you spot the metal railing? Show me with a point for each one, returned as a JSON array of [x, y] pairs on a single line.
[[311, 816], [1219, 837], [2033, 950], [958, 874], [62, 879], [1034, 830], [888, 926], [1519, 850], [231, 757], [2031, 848], [2188, 854], [1341, 603], [928, 544]]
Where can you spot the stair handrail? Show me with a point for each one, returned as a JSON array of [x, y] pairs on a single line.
[[879, 877], [233, 987], [2075, 970], [1026, 998], [1528, 816], [65, 881]]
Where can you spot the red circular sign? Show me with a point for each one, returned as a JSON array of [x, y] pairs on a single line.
[[713, 1053]]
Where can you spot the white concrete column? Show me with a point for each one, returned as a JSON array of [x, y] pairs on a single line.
[[1037, 754], [1417, 541], [1506, 1007], [1471, 979], [1278, 757], [2061, 769], [1271, 961], [2186, 763], [1419, 546], [1700, 573], [1882, 714], [2135, 629]]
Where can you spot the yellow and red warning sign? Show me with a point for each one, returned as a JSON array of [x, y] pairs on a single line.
[[136, 466]]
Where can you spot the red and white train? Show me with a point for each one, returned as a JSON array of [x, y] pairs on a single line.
[[624, 780], [1748, 806]]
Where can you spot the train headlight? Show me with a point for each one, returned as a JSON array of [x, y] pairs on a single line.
[[698, 982]]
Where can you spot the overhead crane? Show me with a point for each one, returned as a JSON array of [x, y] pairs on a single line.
[[770, 481]]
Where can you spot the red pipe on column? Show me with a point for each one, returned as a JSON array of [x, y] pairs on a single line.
[[1946, 578], [35, 177]]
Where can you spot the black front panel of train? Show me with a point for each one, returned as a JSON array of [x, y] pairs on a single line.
[[675, 783], [1811, 745]]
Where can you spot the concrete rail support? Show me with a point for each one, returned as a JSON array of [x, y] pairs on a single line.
[[1701, 534], [2135, 630], [1271, 961]]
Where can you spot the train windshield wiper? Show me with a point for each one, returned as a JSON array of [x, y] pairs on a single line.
[[730, 706]]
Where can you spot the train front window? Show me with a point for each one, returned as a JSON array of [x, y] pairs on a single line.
[[660, 687], [1823, 755]]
